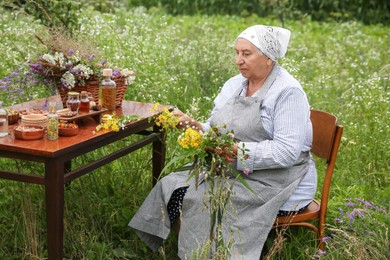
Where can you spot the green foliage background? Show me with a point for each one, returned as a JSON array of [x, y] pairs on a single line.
[[366, 11], [183, 60]]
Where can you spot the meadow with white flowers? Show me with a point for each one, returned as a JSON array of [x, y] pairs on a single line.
[[183, 61]]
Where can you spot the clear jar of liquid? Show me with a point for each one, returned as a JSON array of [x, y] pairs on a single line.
[[3, 120]]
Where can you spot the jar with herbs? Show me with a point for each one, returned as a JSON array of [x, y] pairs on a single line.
[[52, 123]]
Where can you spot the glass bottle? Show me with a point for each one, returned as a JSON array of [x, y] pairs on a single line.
[[91, 101], [3, 121], [107, 91], [73, 102], [52, 124], [84, 103]]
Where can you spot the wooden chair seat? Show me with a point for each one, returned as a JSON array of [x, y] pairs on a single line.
[[310, 213]]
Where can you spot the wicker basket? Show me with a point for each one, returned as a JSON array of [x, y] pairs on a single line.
[[93, 87]]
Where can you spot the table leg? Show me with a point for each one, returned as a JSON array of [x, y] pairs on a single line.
[[158, 155], [54, 191]]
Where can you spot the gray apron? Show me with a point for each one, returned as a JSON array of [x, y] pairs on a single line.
[[248, 217]]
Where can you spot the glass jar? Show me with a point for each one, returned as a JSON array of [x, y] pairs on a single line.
[[73, 102], [3, 121], [84, 103], [91, 101], [52, 124]]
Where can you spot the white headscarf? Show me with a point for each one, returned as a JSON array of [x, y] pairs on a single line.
[[271, 40]]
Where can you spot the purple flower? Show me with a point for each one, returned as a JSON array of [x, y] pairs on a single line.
[[341, 211], [366, 203], [358, 212], [70, 52], [90, 58], [76, 71], [351, 204], [321, 252], [231, 135], [338, 220], [116, 73], [351, 217], [325, 239]]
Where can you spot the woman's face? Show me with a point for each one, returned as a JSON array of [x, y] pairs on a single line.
[[249, 61]]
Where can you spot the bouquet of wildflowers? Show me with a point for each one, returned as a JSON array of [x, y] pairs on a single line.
[[210, 155]]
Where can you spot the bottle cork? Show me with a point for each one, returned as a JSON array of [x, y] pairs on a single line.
[[107, 72]]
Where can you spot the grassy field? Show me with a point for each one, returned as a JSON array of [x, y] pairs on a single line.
[[183, 61]]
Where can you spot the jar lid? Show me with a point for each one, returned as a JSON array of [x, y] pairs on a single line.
[[73, 93]]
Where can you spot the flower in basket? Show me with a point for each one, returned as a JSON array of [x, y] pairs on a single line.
[[73, 67]]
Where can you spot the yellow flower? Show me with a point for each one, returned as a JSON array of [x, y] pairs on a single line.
[[190, 139], [165, 119]]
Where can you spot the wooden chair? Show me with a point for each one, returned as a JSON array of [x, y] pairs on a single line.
[[326, 142]]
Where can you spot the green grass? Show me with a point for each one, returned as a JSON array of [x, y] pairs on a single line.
[[183, 61]]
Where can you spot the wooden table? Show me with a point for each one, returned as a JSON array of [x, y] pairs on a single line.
[[57, 155]]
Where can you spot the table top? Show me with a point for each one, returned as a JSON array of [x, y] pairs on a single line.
[[49, 148]]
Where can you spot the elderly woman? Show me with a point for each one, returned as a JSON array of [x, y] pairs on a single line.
[[270, 115]]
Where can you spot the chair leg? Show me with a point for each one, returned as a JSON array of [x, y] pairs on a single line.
[[321, 244], [321, 232]]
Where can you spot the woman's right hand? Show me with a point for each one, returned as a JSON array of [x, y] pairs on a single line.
[[185, 120]]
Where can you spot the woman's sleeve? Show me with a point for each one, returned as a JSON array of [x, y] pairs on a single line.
[[288, 131]]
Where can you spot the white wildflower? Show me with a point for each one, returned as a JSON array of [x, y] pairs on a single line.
[[49, 58], [68, 80], [59, 59], [83, 70]]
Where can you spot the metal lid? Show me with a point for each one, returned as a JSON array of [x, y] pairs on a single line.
[[73, 93]]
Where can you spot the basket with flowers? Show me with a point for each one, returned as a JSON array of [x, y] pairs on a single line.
[[67, 66]]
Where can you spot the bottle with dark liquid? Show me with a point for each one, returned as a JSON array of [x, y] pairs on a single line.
[[107, 92], [84, 103]]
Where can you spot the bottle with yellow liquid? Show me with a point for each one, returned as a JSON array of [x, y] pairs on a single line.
[[107, 91]]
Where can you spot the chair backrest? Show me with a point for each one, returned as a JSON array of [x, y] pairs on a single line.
[[326, 142]]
